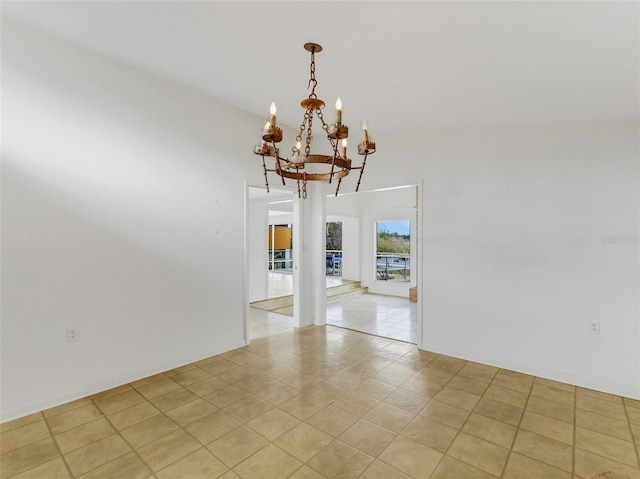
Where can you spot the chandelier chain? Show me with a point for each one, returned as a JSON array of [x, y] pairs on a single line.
[[307, 143], [303, 126], [325, 127], [312, 75]]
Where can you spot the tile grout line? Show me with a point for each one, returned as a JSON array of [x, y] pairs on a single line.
[[575, 431], [465, 421], [161, 413], [459, 430], [517, 428], [360, 417], [303, 421], [62, 456], [399, 433], [183, 428], [515, 436], [133, 449], [53, 437], [635, 444], [433, 398], [55, 443]]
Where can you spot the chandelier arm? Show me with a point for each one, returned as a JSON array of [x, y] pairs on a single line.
[[361, 168], [278, 168], [338, 187], [266, 179], [333, 163], [334, 144]]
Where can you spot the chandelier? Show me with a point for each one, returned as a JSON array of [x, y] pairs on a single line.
[[302, 165]]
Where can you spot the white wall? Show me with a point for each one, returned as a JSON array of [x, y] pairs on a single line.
[[257, 249], [518, 258], [122, 217]]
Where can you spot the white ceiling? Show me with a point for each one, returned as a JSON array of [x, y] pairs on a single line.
[[402, 65]]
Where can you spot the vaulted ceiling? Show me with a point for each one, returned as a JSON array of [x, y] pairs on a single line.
[[402, 65]]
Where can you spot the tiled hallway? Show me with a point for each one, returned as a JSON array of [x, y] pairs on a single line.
[[326, 402], [380, 315], [387, 316]]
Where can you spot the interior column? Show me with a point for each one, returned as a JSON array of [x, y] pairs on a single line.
[[309, 283]]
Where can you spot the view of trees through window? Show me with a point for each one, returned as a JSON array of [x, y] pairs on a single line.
[[393, 236], [334, 236]]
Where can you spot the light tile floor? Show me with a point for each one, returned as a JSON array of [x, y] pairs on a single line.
[[386, 316], [281, 284], [266, 323], [327, 402]]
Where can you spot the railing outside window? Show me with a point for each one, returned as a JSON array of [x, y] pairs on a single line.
[[281, 260], [393, 267], [334, 262]]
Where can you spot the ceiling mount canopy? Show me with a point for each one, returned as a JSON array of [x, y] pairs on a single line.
[[302, 165]]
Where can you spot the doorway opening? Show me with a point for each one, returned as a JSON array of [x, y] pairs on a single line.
[[269, 245], [380, 229], [351, 231]]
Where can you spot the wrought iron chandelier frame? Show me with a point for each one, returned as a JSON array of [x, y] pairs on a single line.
[[337, 165]]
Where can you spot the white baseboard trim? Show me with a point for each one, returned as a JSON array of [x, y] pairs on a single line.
[[90, 389], [531, 369]]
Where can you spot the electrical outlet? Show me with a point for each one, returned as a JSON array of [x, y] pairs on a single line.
[[72, 335], [595, 327]]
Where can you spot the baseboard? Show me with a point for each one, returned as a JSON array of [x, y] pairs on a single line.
[[531, 369], [110, 383]]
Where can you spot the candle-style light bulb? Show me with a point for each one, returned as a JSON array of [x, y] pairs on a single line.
[[298, 146], [272, 110], [365, 133], [344, 148], [339, 111]]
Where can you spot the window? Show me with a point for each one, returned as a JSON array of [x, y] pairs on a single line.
[[334, 248], [393, 251], [280, 248]]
